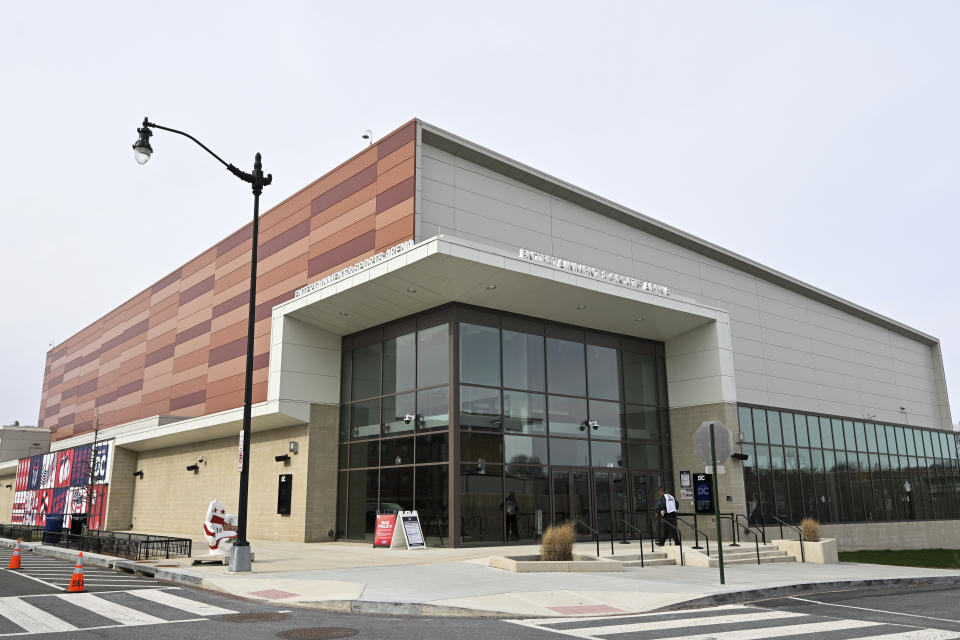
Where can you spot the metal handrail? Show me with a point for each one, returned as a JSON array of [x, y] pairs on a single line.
[[803, 557], [641, 539], [679, 537], [697, 530], [596, 534], [733, 528], [756, 540], [751, 526]]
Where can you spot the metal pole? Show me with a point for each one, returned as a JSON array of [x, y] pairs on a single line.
[[716, 503], [240, 553]]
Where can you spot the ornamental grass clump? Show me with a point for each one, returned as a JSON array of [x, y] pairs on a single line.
[[557, 542], [810, 530]]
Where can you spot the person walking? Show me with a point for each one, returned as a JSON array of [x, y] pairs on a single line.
[[667, 510], [510, 507]]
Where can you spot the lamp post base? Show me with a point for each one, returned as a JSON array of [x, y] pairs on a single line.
[[240, 558]]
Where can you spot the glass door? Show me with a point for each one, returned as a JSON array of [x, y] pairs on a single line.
[[571, 499], [610, 500]]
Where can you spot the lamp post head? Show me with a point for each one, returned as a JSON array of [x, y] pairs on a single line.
[[141, 148]]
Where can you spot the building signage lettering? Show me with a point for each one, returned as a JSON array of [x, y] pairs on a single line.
[[373, 260], [592, 272]]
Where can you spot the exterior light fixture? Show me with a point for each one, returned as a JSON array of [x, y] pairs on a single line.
[[284, 458], [491, 287], [240, 552], [141, 148], [581, 307], [294, 446], [638, 319], [740, 456], [368, 135], [411, 290], [138, 474]]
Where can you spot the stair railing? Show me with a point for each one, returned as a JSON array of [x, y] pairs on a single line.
[[803, 557], [696, 531], [679, 536], [624, 521], [596, 534], [756, 540], [752, 527]]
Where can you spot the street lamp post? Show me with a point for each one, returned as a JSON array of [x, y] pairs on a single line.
[[240, 553]]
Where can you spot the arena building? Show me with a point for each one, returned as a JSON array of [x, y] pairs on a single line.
[[440, 327]]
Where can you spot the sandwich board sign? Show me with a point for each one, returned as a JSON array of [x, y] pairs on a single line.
[[386, 524], [408, 531]]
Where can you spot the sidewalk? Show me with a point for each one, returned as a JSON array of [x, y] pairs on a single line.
[[355, 577]]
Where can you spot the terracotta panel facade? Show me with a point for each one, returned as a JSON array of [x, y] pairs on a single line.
[[166, 350]]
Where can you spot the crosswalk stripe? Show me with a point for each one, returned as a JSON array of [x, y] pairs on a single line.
[[791, 630], [116, 612], [170, 600], [917, 634], [684, 623], [32, 619]]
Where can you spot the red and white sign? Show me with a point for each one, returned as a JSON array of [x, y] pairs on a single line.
[[383, 536]]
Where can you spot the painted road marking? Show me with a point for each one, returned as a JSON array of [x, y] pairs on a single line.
[[185, 604], [116, 612], [895, 613], [32, 619]]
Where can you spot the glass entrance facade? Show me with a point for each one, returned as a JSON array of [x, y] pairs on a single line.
[[495, 426]]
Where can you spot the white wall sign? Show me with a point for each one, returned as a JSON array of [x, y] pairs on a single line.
[[373, 260], [592, 272]]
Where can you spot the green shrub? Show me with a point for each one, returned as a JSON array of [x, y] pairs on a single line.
[[810, 529], [557, 542]]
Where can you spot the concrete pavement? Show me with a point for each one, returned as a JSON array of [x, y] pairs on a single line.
[[344, 576]]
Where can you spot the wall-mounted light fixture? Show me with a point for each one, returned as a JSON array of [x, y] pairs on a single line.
[[8, 486], [193, 467], [138, 474], [740, 456], [294, 447], [284, 458]]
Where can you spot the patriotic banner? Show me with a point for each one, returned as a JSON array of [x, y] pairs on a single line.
[[64, 462], [58, 483]]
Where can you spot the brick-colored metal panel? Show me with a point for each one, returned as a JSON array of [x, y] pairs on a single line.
[[177, 347]]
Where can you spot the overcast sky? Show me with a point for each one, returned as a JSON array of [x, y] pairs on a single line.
[[818, 138]]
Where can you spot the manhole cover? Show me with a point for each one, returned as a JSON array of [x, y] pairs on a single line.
[[318, 633], [266, 616]]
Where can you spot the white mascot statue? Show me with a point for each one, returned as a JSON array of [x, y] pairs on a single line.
[[220, 529]]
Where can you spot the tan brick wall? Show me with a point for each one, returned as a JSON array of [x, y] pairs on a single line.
[[925, 534], [6, 495], [684, 421], [170, 499], [121, 491], [322, 473]]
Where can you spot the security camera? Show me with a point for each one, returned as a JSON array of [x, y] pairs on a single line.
[[201, 459], [407, 419], [594, 424]]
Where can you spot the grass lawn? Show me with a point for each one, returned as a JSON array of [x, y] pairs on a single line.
[[935, 558]]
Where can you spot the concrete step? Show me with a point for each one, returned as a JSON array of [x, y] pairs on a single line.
[[733, 553], [714, 562], [650, 562]]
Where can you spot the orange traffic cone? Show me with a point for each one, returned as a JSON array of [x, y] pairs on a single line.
[[15, 558], [76, 582]]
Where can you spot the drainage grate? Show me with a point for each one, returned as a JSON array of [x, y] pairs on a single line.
[[318, 633], [265, 616]]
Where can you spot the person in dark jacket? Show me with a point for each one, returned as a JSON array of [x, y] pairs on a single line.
[[667, 510]]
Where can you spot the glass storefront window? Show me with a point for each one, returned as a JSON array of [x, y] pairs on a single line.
[[365, 454], [786, 423], [481, 504], [431, 500], [642, 423], [569, 453], [567, 416], [608, 416], [433, 447], [606, 454], [773, 427], [433, 408], [760, 426], [479, 354], [529, 487], [479, 408], [800, 424], [603, 373], [746, 423], [396, 451], [640, 384], [481, 448], [396, 489], [399, 364], [433, 356], [524, 412], [565, 367], [366, 371], [646, 456], [524, 450], [395, 411], [523, 363], [365, 419]]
